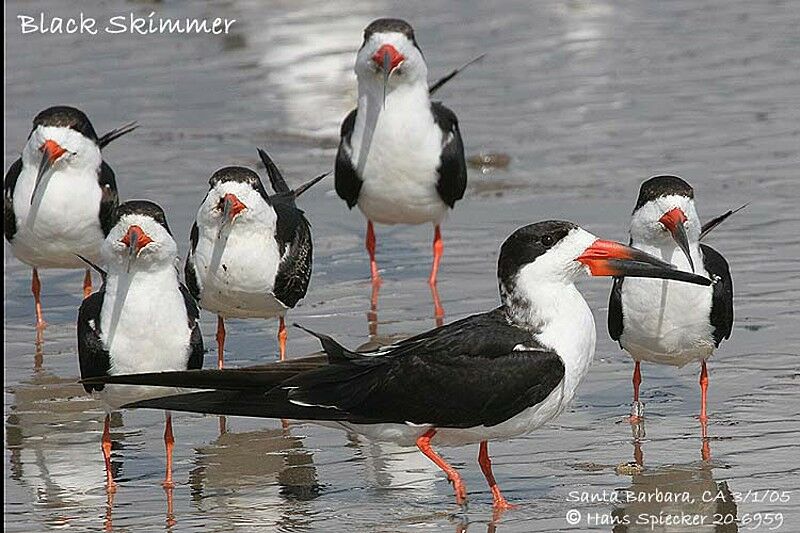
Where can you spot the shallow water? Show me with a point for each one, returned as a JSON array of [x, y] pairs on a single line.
[[587, 99]]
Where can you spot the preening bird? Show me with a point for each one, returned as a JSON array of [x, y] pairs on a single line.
[[401, 156], [660, 321], [60, 196], [490, 376], [251, 253], [142, 319]]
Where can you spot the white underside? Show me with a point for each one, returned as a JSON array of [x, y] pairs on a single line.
[[237, 274], [667, 322], [146, 334], [62, 221], [396, 150]]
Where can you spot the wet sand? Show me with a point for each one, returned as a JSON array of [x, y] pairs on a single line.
[[586, 99]]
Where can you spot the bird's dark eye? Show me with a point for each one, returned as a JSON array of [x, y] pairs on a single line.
[[547, 240]]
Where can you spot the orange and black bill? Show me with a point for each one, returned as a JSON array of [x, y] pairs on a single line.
[[51, 151], [675, 221], [609, 258]]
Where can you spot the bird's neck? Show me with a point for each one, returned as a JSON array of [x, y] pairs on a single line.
[[558, 317], [404, 98]]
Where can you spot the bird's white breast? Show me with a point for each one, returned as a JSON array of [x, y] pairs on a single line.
[[145, 328], [237, 272], [396, 150], [667, 322], [62, 221]]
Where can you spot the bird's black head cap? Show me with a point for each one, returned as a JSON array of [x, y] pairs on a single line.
[[528, 243], [389, 25], [659, 186], [146, 208], [239, 175], [66, 117]]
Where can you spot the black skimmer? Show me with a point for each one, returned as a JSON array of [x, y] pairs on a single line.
[[60, 196], [142, 319], [493, 375], [400, 157], [251, 253], [672, 323]]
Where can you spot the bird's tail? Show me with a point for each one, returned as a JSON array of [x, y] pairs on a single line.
[[116, 133]]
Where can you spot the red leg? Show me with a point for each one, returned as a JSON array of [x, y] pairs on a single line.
[[169, 443], [373, 265], [500, 503], [282, 335], [705, 450], [703, 392], [36, 289], [438, 310], [424, 445], [438, 249], [220, 342], [106, 446], [637, 407], [87, 284]]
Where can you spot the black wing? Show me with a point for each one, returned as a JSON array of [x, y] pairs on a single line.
[[275, 177], [452, 167], [294, 241], [10, 182], [116, 134], [477, 371], [347, 182], [92, 354], [716, 221], [615, 309], [468, 373], [189, 274], [196, 351], [722, 301], [109, 199], [450, 75]]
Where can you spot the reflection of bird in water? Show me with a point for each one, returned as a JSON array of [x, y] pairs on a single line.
[[51, 438], [255, 458], [699, 498]]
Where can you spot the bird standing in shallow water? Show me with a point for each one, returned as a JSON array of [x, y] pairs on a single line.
[[490, 376], [400, 157], [60, 196], [141, 320], [251, 253], [660, 321]]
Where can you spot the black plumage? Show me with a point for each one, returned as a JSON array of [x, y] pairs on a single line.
[[452, 168], [10, 182], [346, 179], [722, 300], [479, 371]]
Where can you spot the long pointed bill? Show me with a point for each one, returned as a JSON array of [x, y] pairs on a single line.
[[51, 151], [387, 71], [609, 258], [388, 59], [135, 240], [232, 206], [675, 221]]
